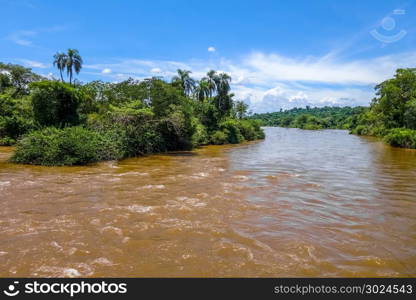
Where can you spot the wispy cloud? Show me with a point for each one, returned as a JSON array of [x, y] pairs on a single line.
[[26, 37], [33, 64], [23, 37]]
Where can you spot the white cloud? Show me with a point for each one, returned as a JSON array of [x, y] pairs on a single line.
[[106, 71], [211, 49], [33, 64], [22, 37], [155, 70]]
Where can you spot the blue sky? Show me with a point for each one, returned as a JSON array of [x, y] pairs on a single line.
[[279, 53]]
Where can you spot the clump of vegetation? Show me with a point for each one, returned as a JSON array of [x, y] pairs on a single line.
[[313, 118], [401, 137], [70, 123], [69, 146], [392, 113]]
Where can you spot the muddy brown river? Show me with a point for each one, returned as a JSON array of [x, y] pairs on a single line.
[[299, 203]]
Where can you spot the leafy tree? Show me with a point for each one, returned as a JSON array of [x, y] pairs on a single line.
[[241, 109], [55, 103], [17, 78]]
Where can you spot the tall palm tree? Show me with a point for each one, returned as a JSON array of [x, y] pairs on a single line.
[[186, 82], [223, 83], [202, 91], [59, 61], [211, 79], [223, 99], [73, 63]]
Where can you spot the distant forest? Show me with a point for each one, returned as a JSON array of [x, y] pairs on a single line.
[[313, 118]]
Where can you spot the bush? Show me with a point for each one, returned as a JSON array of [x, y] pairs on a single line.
[[231, 129], [134, 130], [400, 137], [7, 141], [15, 118], [219, 138], [200, 137], [251, 130], [68, 146], [55, 103]]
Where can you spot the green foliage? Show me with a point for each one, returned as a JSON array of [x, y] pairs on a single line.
[[17, 79], [15, 118], [401, 137], [313, 118], [236, 131], [134, 131], [68, 146], [392, 113], [232, 130], [219, 138], [55, 103]]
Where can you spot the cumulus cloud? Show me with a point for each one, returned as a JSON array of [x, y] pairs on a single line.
[[211, 49], [106, 71]]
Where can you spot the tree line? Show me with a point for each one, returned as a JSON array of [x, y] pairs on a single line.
[[327, 117]]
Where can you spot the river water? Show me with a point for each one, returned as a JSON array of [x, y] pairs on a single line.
[[299, 203]]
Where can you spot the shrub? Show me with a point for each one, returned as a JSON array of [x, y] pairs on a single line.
[[68, 146], [15, 118], [400, 137], [135, 130], [55, 103], [7, 141], [251, 130], [219, 138], [200, 137], [231, 128]]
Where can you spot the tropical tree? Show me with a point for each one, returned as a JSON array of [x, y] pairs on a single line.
[[73, 63], [223, 100], [211, 79], [59, 61], [184, 80], [223, 83], [240, 109], [202, 91]]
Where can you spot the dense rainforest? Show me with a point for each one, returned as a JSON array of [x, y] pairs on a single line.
[[391, 115], [53, 122]]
